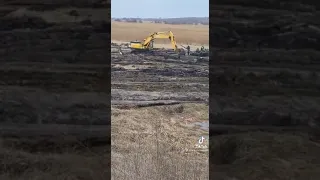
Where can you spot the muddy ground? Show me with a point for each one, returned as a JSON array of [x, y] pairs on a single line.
[[159, 142], [54, 71], [264, 70], [148, 78]]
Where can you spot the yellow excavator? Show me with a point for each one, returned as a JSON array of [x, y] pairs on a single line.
[[147, 43]]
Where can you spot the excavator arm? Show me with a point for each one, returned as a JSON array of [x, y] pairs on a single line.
[[161, 35]]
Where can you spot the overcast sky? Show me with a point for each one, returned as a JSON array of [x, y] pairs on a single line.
[[159, 8]]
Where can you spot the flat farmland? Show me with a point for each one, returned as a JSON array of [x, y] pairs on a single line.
[[184, 34]]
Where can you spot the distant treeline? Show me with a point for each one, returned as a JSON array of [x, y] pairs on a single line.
[[184, 20]]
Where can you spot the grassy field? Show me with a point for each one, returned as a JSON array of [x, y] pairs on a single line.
[[185, 34], [155, 143]]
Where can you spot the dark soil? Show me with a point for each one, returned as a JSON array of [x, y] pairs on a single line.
[[153, 78]]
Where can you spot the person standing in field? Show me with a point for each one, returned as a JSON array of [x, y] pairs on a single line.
[[188, 50]]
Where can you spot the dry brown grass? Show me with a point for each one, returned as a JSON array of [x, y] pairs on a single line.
[[185, 34], [155, 143]]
